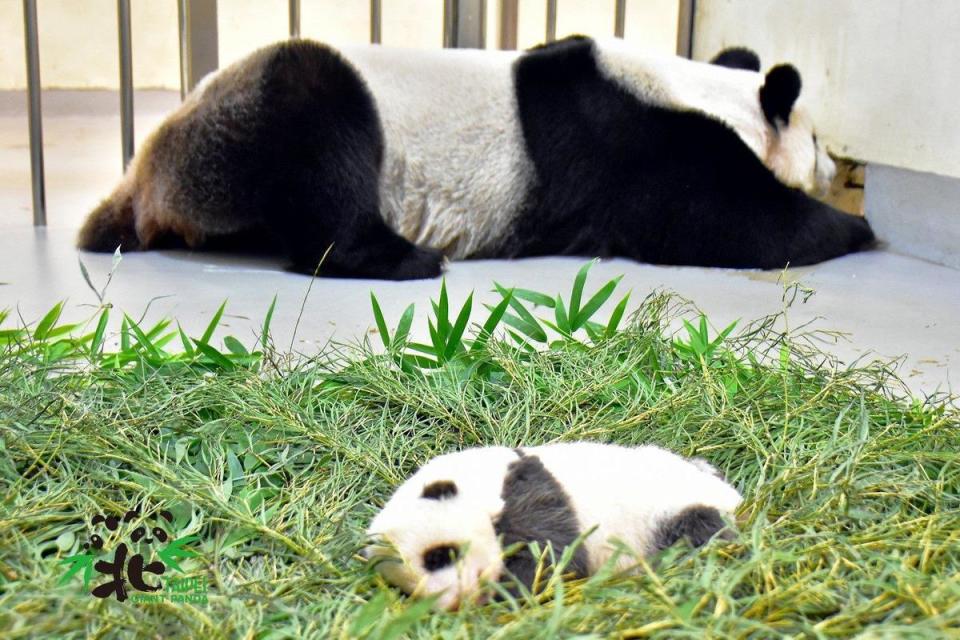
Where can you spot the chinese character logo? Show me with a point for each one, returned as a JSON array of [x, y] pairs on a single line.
[[126, 570]]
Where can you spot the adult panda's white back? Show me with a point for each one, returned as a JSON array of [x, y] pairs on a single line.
[[455, 171]]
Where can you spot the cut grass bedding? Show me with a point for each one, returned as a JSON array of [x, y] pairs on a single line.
[[271, 466]]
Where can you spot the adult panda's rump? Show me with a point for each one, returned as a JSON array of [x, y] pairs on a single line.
[[110, 226], [287, 144]]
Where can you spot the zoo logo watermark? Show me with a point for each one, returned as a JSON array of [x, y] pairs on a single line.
[[128, 570]]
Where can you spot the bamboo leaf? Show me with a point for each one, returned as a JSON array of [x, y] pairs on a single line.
[[97, 342], [594, 303], [48, 321], [187, 343], [215, 356], [531, 330], [403, 327], [235, 347], [381, 323], [563, 322], [579, 282], [535, 297], [614, 323], [265, 331], [214, 323], [496, 315], [454, 342]]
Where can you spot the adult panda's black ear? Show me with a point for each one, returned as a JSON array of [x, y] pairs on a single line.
[[737, 58], [779, 92]]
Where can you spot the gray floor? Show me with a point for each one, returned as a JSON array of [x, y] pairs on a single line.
[[888, 304]]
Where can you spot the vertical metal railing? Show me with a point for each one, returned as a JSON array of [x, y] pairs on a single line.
[[619, 17], [199, 44], [464, 23], [126, 80], [376, 22], [551, 34], [509, 24], [685, 27], [294, 11], [32, 45]]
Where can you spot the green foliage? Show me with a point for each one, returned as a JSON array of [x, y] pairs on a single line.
[[54, 346], [852, 487], [452, 346]]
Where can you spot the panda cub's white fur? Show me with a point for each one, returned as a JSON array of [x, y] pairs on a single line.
[[457, 501]]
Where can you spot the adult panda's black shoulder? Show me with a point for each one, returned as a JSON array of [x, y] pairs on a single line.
[[393, 159], [673, 162]]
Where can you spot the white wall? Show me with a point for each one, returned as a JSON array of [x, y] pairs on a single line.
[[882, 77], [78, 38]]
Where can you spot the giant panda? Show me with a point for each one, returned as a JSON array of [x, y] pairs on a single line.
[[468, 517], [395, 160]]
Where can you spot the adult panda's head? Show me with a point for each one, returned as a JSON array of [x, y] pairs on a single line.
[[792, 152], [764, 109], [435, 536]]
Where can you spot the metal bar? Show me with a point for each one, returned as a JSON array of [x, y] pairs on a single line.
[[376, 22], [126, 81], [35, 111], [509, 20], [464, 23], [551, 20], [450, 19], [294, 18], [619, 18], [685, 25], [198, 41]]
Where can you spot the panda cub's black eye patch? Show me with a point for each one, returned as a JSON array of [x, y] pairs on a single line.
[[439, 490], [440, 556]]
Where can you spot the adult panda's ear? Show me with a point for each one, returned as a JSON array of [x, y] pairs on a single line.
[[779, 92], [737, 58]]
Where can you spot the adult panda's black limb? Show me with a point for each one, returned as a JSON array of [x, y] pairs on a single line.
[[697, 525], [619, 177], [323, 131]]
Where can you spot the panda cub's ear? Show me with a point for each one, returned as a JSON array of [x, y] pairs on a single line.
[[779, 92], [439, 490]]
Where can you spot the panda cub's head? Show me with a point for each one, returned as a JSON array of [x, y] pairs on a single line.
[[435, 536]]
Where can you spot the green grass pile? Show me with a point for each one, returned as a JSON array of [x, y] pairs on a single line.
[[276, 463]]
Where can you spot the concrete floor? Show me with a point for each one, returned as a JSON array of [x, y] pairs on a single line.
[[889, 305]]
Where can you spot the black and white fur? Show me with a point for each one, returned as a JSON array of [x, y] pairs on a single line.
[[399, 158], [444, 531]]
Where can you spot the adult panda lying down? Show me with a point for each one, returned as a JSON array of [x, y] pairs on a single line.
[[399, 158], [450, 527]]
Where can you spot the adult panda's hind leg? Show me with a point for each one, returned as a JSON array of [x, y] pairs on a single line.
[[328, 148], [329, 224]]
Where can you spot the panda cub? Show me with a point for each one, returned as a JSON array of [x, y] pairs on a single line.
[[444, 530], [383, 163]]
